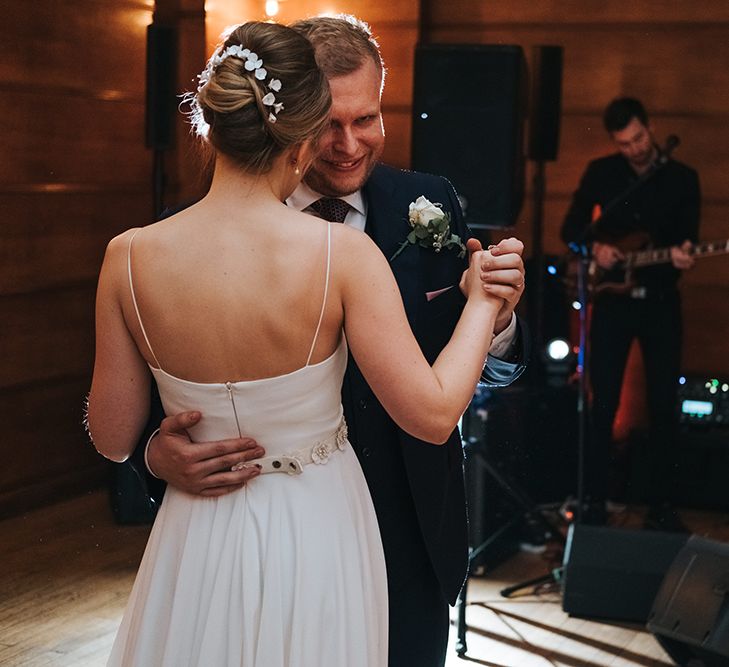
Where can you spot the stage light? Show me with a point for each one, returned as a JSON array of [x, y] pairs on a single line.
[[576, 305], [552, 270], [558, 349], [272, 7], [559, 362], [682, 380]]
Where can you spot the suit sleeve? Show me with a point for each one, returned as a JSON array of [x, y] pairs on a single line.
[[496, 372]]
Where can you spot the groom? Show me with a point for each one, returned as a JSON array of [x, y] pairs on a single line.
[[417, 488]]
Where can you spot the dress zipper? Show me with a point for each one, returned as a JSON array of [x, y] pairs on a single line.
[[229, 387]]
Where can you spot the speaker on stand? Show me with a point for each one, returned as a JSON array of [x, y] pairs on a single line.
[[161, 103], [545, 108], [468, 125]]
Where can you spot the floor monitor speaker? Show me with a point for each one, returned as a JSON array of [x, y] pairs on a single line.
[[690, 616], [615, 573], [468, 125]]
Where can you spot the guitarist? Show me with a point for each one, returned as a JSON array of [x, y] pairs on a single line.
[[638, 190]]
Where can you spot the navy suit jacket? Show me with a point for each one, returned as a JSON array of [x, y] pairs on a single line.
[[417, 487]]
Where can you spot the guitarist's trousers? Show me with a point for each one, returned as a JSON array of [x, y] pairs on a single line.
[[655, 321]]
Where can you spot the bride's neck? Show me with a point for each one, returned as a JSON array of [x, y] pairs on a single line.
[[233, 185]]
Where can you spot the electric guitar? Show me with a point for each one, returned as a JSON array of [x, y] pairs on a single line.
[[619, 279]]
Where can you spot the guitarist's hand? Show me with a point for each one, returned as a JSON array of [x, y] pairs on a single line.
[[681, 257], [606, 255]]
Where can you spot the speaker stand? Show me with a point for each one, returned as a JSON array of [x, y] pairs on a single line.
[[526, 510]]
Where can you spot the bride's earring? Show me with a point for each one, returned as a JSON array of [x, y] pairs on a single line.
[[297, 171]]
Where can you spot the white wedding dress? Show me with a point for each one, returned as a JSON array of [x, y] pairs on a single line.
[[286, 572]]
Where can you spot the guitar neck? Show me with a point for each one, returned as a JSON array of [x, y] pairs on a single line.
[[654, 256]]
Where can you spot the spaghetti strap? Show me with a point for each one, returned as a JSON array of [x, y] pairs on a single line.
[[326, 292], [134, 300]]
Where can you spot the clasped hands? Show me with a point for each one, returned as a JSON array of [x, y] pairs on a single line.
[[224, 466], [502, 275]]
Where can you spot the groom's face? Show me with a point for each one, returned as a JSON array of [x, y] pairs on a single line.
[[355, 139]]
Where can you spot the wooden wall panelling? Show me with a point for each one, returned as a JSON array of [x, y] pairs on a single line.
[[705, 330], [47, 335], [90, 46], [73, 79], [63, 232], [73, 141], [45, 452], [575, 13]]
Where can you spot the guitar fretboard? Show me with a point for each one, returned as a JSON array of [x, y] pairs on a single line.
[[663, 255]]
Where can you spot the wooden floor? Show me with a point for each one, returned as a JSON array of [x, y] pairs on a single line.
[[66, 572]]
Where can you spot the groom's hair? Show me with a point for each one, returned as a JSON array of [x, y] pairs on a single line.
[[342, 43]]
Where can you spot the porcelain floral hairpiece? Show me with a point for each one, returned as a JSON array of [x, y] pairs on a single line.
[[252, 63]]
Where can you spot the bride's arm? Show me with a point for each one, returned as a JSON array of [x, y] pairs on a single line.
[[425, 401], [119, 396]]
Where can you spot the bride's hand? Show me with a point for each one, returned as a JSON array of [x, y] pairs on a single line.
[[472, 280]]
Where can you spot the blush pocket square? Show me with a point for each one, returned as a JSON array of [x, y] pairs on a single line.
[[432, 295]]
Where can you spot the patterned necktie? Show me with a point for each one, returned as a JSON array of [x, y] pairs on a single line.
[[331, 209]]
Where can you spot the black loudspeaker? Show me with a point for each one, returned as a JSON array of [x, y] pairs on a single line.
[[690, 616], [468, 125], [545, 102], [615, 573], [161, 86]]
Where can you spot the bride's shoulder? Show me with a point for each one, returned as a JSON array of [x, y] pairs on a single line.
[[121, 242], [349, 236], [353, 248]]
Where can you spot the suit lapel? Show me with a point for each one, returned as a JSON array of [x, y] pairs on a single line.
[[388, 227]]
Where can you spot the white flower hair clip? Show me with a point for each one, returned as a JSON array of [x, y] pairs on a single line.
[[252, 63]]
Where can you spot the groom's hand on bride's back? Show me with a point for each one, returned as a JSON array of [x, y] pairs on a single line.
[[201, 468]]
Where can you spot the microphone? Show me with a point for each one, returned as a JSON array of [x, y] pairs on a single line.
[[672, 141]]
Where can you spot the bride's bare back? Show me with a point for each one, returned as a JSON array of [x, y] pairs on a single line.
[[235, 299]]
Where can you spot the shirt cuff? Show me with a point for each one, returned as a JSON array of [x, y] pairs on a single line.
[[503, 344], [146, 453]]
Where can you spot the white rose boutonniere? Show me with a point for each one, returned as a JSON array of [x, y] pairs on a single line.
[[431, 228]]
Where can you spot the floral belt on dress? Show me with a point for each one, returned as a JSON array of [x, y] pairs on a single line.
[[293, 463]]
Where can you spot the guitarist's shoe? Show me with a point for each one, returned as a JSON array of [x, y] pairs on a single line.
[[664, 517]]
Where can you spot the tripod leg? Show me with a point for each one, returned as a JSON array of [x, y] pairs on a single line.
[[552, 578], [461, 626]]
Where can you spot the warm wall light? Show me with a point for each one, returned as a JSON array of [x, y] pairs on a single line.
[[271, 7]]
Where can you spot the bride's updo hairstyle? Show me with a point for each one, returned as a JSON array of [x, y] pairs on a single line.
[[260, 94]]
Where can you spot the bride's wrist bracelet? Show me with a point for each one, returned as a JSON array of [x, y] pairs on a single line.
[[146, 454]]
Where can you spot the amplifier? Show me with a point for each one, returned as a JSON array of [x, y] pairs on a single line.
[[703, 401]]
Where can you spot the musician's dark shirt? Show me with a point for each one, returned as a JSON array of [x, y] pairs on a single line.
[[665, 206]]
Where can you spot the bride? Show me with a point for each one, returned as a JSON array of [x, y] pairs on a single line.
[[246, 309]]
